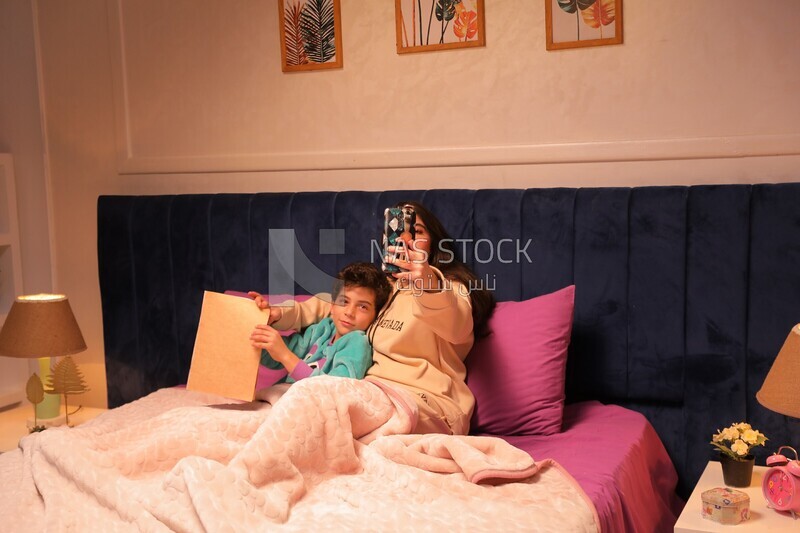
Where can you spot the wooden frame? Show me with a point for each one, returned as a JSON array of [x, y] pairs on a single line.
[[317, 19], [415, 19], [592, 17]]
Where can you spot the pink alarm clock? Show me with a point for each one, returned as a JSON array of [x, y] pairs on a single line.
[[781, 484]]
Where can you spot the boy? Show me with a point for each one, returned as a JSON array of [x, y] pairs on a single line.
[[337, 345]]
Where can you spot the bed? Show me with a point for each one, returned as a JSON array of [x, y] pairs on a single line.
[[681, 297]]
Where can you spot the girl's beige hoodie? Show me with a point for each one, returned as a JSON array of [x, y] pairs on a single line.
[[419, 344]]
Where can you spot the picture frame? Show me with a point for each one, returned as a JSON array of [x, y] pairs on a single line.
[[441, 24], [311, 35], [581, 23]]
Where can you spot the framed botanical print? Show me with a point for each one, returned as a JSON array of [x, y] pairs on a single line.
[[424, 25], [579, 23], [311, 34]]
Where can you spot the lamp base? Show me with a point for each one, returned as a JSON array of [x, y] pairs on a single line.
[[59, 420], [50, 406]]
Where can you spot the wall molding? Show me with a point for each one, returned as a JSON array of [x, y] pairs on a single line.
[[606, 151], [48, 179], [534, 154]]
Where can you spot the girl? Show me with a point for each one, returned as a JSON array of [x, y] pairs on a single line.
[[423, 334]]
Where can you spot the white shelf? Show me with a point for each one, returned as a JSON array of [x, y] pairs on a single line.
[[13, 372], [10, 396], [13, 379]]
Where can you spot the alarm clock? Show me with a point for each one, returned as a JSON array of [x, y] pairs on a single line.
[[781, 483]]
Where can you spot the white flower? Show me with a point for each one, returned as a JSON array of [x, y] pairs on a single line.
[[730, 434], [750, 436], [737, 440], [739, 447]]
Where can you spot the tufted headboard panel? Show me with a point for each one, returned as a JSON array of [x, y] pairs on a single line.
[[684, 295]]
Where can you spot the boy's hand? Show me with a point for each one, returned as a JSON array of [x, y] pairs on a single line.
[[275, 313], [261, 302], [268, 338]]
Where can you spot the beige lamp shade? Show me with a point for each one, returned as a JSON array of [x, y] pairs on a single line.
[[781, 389], [41, 325]]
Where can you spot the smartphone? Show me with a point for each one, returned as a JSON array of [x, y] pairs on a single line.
[[396, 222]]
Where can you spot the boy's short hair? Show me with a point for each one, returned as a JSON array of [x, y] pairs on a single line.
[[364, 275]]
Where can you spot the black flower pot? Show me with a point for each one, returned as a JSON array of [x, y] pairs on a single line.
[[737, 473]]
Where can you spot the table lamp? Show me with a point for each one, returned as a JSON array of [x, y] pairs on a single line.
[[780, 392], [41, 326], [781, 389]]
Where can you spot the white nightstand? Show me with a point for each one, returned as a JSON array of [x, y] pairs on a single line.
[[761, 517], [13, 422]]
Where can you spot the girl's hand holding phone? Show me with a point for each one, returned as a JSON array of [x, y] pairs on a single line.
[[414, 268]]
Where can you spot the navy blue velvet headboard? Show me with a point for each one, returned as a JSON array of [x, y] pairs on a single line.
[[684, 294]]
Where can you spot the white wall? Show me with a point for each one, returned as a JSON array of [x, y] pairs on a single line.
[[153, 97], [21, 136]]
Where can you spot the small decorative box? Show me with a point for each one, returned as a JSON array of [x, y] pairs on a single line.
[[726, 506]]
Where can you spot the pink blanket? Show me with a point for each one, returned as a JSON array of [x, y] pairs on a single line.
[[332, 453]]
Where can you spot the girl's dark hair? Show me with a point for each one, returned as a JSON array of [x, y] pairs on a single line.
[[364, 275], [483, 302]]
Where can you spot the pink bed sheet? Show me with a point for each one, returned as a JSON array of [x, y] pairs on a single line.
[[616, 456]]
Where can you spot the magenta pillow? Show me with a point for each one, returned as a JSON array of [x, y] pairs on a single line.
[[517, 373]]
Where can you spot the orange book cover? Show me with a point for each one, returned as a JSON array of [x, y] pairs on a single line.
[[223, 361]]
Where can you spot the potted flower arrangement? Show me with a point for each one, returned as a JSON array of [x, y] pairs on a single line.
[[735, 444]]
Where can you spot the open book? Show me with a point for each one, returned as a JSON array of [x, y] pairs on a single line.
[[223, 361]]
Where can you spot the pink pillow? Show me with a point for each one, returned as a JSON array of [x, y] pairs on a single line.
[[517, 373]]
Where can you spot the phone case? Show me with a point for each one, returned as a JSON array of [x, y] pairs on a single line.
[[396, 221]]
